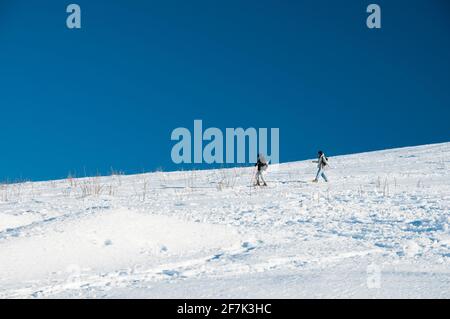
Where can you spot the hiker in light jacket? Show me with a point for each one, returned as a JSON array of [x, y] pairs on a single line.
[[322, 161], [261, 166]]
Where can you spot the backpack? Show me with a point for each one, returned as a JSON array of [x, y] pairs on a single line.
[[262, 159], [262, 163], [326, 161]]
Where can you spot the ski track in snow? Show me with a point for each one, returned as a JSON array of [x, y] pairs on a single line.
[[205, 233]]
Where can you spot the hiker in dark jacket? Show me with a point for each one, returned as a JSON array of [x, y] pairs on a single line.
[[322, 161], [261, 165]]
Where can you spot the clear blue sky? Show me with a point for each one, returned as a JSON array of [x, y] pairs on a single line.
[[110, 94]]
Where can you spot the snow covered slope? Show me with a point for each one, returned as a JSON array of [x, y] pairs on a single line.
[[380, 228]]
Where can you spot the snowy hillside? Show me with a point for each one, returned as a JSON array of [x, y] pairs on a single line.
[[380, 228]]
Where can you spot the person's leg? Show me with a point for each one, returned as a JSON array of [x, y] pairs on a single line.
[[324, 176], [258, 174], [262, 179], [319, 171]]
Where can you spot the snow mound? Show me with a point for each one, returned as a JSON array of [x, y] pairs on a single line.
[[106, 241]]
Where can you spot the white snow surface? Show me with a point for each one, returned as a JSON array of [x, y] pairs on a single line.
[[378, 229]]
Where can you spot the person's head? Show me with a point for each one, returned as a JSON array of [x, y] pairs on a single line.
[[319, 153]]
